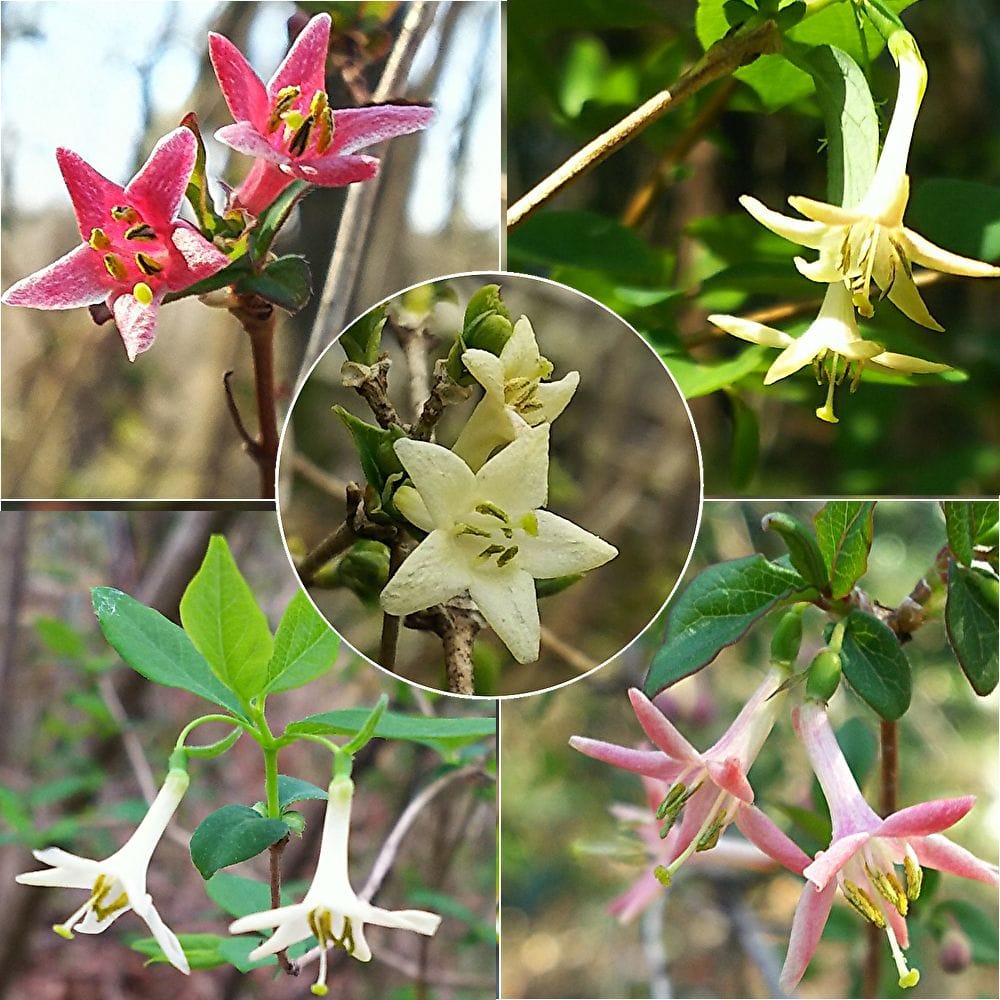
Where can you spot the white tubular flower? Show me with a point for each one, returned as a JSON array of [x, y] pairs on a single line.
[[330, 911], [832, 342], [488, 536], [118, 884], [516, 397], [869, 243]]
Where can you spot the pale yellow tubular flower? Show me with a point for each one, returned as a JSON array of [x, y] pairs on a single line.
[[868, 243]]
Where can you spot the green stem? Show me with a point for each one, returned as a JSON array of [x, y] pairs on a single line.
[[202, 719]]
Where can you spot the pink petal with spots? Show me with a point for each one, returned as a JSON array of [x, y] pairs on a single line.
[[761, 831], [92, 193], [337, 171], [356, 128], [830, 861], [136, 324], [650, 763], [157, 190], [77, 279], [661, 730], [200, 256], [241, 87], [811, 915], [244, 138], [729, 774], [927, 817], [939, 852], [305, 64]]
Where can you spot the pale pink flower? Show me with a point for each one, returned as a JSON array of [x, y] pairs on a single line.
[[708, 790], [289, 125], [865, 852], [135, 249]]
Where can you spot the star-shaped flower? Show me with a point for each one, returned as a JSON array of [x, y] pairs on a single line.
[[330, 910], [863, 857], [118, 883], [832, 342], [488, 535], [289, 125], [135, 249], [868, 242], [709, 790], [516, 395]]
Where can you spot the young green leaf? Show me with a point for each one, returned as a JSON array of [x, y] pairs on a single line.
[[971, 620], [232, 834], [362, 340], [287, 282], [225, 623], [374, 444], [803, 552], [158, 649], [958, 525], [875, 665], [275, 216], [844, 533], [304, 647], [197, 189], [717, 609], [292, 789], [201, 950]]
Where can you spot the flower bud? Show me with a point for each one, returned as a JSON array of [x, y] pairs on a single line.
[[824, 676], [956, 952], [487, 327], [787, 639], [364, 569]]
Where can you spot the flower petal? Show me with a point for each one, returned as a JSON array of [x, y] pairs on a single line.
[[561, 548], [553, 397], [922, 251], [201, 258], [164, 936], [305, 64], [801, 231], [797, 355], [506, 598], [490, 426], [291, 931], [241, 87], [435, 571], [244, 138], [336, 171], [643, 891], [356, 128], [157, 190], [408, 502], [419, 921], [937, 851], [729, 775], [487, 369], [67, 878], [811, 915], [661, 730], [136, 324], [925, 818], [520, 357], [830, 861], [268, 918], [747, 329], [516, 478], [822, 212], [262, 185], [905, 296], [760, 830], [823, 269], [76, 279], [651, 763], [445, 483], [887, 361], [92, 193]]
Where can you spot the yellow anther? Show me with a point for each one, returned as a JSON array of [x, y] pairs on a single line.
[[319, 103], [662, 876], [324, 131], [517, 390], [99, 240], [143, 293], [507, 556], [863, 903], [319, 989], [889, 888], [115, 266], [147, 264], [710, 837], [914, 878], [471, 529], [143, 231], [300, 140], [491, 550], [529, 522], [283, 100], [124, 213], [492, 510]]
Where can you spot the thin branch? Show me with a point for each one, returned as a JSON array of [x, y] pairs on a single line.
[[274, 856], [724, 57], [566, 652], [341, 540], [234, 412], [319, 478], [458, 639]]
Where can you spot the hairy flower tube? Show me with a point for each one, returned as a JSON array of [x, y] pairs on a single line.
[[516, 394], [330, 910], [868, 243], [289, 125], [118, 883], [876, 863], [488, 535], [135, 249], [709, 790], [832, 343]]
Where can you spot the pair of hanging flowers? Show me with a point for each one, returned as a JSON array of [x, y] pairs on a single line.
[[136, 249], [859, 246]]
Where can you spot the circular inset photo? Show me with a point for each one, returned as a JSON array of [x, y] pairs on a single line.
[[489, 484]]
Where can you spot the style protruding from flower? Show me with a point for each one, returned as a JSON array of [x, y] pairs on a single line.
[[289, 125], [832, 343], [488, 535], [118, 883], [331, 911], [709, 790], [516, 395], [867, 243], [877, 863], [135, 249]]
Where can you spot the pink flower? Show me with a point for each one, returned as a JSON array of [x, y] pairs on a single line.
[[289, 125], [134, 248], [865, 851], [707, 791]]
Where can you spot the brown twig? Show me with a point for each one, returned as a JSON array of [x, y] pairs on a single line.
[[274, 857], [566, 652], [444, 391], [458, 638], [371, 383], [339, 541], [312, 473], [724, 57], [234, 412]]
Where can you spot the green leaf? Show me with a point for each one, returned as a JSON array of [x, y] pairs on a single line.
[[979, 927], [375, 448], [362, 340], [844, 532], [225, 623], [197, 188], [717, 609], [275, 216], [963, 216], [958, 525], [442, 734], [296, 790], [230, 275], [232, 834], [971, 620], [875, 665], [582, 239], [304, 647], [201, 950], [60, 637], [696, 378], [237, 950], [803, 551], [157, 648], [239, 896], [287, 282]]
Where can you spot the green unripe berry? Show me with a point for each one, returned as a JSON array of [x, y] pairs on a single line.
[[787, 639], [824, 676]]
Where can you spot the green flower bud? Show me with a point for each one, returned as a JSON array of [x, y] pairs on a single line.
[[824, 676], [364, 569], [787, 639], [487, 327]]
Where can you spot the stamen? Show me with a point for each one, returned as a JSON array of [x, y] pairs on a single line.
[[143, 231], [324, 131], [863, 903], [65, 929], [529, 522], [301, 138], [143, 293], [914, 878], [98, 240], [471, 529], [492, 510], [507, 532], [319, 924], [283, 100], [115, 266], [676, 792], [825, 412], [147, 264], [491, 550], [516, 390], [124, 213], [710, 837], [318, 104], [889, 888], [907, 977], [507, 556]]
